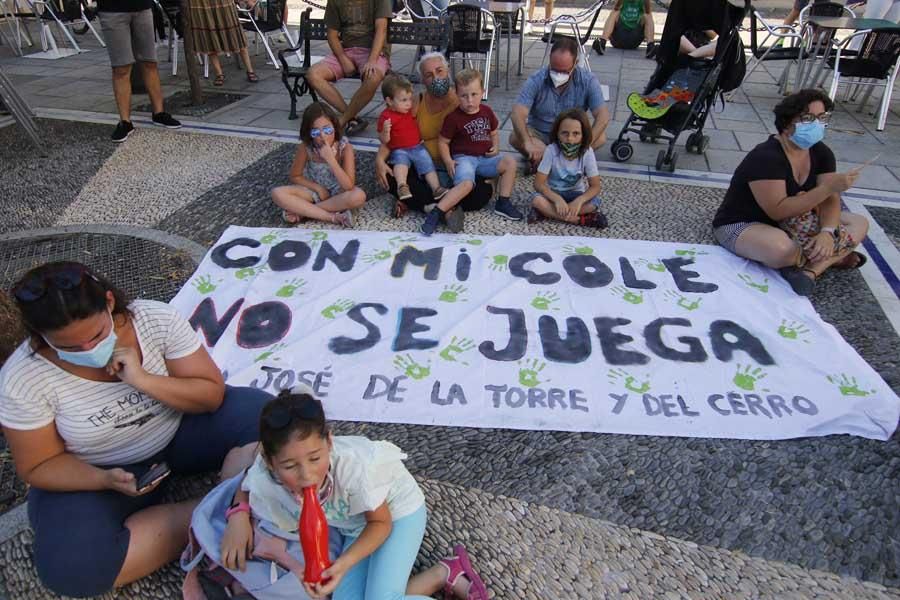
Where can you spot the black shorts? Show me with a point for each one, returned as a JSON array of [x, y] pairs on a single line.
[[627, 39]]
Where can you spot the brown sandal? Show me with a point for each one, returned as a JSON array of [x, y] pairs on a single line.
[[847, 262], [219, 81], [252, 77]]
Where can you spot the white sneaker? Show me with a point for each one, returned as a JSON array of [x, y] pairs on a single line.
[[527, 29]]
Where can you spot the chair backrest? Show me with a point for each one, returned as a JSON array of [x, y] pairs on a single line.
[[824, 9], [467, 23], [268, 15], [431, 32], [879, 52]]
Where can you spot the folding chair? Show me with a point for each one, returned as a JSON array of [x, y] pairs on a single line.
[[419, 11], [874, 65], [473, 32], [16, 32], [20, 111], [785, 46], [65, 13], [817, 43], [574, 22], [270, 23]]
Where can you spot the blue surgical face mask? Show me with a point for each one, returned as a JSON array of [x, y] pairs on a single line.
[[97, 357], [807, 135]]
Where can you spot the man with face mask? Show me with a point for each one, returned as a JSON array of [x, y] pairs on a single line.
[[551, 90]]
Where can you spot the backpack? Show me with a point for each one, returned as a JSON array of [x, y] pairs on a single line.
[[734, 66]]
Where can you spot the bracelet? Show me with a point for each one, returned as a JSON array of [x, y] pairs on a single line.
[[236, 508], [831, 230]]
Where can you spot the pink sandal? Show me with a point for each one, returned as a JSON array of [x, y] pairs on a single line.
[[461, 565]]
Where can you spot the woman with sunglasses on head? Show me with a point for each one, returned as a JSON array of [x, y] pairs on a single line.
[[783, 206], [323, 174], [102, 391], [366, 493]]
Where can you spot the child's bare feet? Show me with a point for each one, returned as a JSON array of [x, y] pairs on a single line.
[[343, 218], [290, 218]]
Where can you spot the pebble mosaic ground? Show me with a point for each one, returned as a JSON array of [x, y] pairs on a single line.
[[548, 514]]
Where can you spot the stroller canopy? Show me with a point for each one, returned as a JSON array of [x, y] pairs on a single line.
[[721, 16]]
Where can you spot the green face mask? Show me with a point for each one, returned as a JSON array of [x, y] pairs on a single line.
[[569, 150]]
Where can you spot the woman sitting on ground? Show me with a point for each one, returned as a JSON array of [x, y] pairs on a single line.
[[103, 390], [436, 102], [790, 179]]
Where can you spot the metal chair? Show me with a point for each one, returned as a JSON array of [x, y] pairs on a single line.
[[777, 50], [420, 11], [574, 22], [473, 32], [20, 111], [16, 33], [265, 24], [817, 43], [65, 13], [874, 65], [171, 11]]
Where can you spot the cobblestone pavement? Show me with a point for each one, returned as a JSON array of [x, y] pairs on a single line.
[[550, 514]]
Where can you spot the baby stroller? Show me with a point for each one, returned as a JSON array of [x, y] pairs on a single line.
[[682, 90]]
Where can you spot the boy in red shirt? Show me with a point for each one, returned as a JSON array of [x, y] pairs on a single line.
[[469, 144], [399, 131]]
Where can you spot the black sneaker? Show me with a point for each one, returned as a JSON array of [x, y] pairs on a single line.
[[164, 119], [595, 219], [507, 210], [123, 130], [652, 49], [431, 221], [802, 284], [600, 46]]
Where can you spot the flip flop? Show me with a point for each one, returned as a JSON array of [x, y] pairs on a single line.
[[219, 81], [477, 590], [861, 259]]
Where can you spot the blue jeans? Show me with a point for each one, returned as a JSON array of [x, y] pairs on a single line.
[[469, 167], [417, 155], [383, 575]]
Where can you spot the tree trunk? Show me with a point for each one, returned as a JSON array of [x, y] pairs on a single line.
[[190, 57]]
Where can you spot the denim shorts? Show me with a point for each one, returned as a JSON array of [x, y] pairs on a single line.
[[80, 538], [417, 155], [569, 196], [469, 167]]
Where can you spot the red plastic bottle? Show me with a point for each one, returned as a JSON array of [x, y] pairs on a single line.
[[313, 536]]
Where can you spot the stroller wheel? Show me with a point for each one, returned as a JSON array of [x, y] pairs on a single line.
[[621, 151], [665, 161], [697, 143]]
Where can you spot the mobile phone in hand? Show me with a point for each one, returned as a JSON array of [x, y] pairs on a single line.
[[153, 476]]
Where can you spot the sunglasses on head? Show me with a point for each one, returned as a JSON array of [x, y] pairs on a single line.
[[316, 132], [281, 416], [64, 278]]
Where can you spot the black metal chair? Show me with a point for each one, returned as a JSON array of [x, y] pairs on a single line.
[[874, 65], [474, 31], [574, 23], [265, 19]]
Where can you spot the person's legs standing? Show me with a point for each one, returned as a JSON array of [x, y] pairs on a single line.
[[116, 29], [144, 46]]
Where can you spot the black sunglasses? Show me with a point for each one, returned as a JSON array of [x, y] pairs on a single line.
[[308, 409], [64, 278]]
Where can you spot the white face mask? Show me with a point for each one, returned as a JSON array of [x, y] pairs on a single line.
[[559, 79]]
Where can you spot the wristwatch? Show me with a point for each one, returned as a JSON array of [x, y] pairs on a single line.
[[236, 508], [831, 230]]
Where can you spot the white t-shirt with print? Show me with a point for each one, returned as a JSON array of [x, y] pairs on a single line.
[[102, 423], [564, 175], [366, 474]]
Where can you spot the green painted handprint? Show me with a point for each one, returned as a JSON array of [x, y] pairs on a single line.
[[269, 352], [248, 272], [399, 240], [848, 386], [544, 301], [474, 242], [455, 348], [271, 237], [655, 266], [683, 301], [581, 250], [290, 287], [690, 252], [747, 379], [763, 287], [629, 381], [376, 256], [793, 330], [338, 306], [628, 295], [204, 284], [453, 293], [316, 238], [410, 367], [528, 374], [499, 262]]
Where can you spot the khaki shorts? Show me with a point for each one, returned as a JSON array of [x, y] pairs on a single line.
[[129, 36], [544, 137]]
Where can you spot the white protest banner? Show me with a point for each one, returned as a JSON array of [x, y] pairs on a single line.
[[575, 334]]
